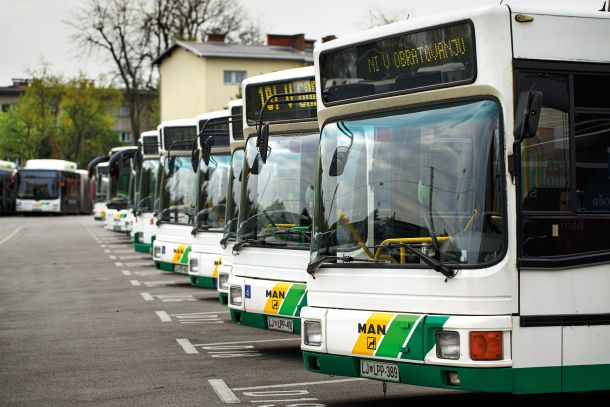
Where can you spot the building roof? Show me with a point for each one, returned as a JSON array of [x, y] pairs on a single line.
[[217, 49]]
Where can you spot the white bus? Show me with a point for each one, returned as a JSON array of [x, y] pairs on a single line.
[[236, 137], [118, 202], [146, 191], [48, 186], [98, 174], [177, 196], [8, 170], [455, 246], [212, 164], [267, 283]]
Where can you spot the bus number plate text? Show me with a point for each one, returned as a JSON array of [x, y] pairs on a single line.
[[280, 324], [381, 371]]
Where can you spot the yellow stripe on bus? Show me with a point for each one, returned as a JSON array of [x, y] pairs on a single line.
[[275, 297], [178, 253], [371, 333], [218, 263]]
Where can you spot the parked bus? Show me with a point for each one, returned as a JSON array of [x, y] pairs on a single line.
[[229, 236], [211, 159], [98, 174], [178, 196], [7, 187], [48, 186], [146, 196], [459, 243], [267, 284], [120, 176]]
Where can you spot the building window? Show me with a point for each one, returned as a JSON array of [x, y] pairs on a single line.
[[125, 137], [234, 77], [6, 107], [124, 111]]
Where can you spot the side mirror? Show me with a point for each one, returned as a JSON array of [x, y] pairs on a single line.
[[171, 163], [195, 157], [263, 142], [337, 165], [254, 169], [527, 114], [138, 159], [206, 150]]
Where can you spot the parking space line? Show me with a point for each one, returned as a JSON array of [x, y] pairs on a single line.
[[254, 341], [223, 391], [118, 264], [9, 237], [277, 386], [187, 346], [135, 282], [163, 316], [111, 257], [147, 296], [126, 272], [283, 401]]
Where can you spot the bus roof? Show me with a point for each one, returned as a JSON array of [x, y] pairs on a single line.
[[50, 164], [7, 165]]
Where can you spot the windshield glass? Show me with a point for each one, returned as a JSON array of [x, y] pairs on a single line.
[[278, 195], [38, 184], [234, 196], [179, 190], [118, 187], [213, 192], [147, 190], [101, 184], [400, 175]]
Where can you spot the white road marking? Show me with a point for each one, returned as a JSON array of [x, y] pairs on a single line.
[[277, 386], [103, 245], [118, 264], [163, 316], [155, 283], [255, 341], [140, 264], [223, 391], [148, 272], [111, 257], [301, 392], [135, 282], [147, 296], [126, 272], [9, 237], [187, 346], [283, 401], [137, 256]]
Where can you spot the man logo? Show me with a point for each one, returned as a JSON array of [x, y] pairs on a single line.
[[274, 304], [371, 343]]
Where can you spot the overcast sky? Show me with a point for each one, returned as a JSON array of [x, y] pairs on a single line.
[[32, 31]]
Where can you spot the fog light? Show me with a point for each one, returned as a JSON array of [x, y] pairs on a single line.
[[223, 281], [235, 295], [447, 345], [486, 345], [453, 378], [312, 333], [194, 265]]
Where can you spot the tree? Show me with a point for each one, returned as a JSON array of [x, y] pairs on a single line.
[[85, 124], [60, 119], [132, 35]]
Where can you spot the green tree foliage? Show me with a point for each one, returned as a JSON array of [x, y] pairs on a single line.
[[60, 119]]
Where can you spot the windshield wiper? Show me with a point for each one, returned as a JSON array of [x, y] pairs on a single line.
[[324, 259], [225, 240], [261, 240], [436, 264]]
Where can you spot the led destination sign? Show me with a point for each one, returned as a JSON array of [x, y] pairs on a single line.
[[441, 56], [297, 106]]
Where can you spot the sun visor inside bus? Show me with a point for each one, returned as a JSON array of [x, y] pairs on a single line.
[[97, 160]]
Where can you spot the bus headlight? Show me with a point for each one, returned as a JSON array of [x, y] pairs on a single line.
[[447, 345], [194, 265], [312, 333], [235, 295], [223, 281]]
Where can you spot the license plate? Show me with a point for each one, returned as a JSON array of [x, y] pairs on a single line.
[[381, 371], [280, 324], [181, 268]]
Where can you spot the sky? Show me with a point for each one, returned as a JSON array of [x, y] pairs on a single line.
[[35, 31]]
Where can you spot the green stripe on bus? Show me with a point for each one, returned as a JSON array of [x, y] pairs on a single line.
[[185, 256], [396, 335], [293, 297]]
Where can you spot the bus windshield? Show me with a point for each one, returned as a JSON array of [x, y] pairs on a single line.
[[38, 184], [278, 194], [101, 184], [119, 187], [234, 195], [213, 192], [147, 190], [429, 179], [179, 191]]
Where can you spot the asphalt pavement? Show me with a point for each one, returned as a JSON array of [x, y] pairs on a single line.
[[85, 320]]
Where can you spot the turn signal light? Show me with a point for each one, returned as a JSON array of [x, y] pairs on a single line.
[[486, 345]]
